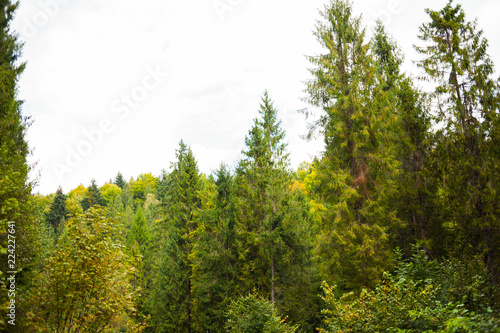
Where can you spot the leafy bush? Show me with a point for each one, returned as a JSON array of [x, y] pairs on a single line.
[[253, 314], [421, 296]]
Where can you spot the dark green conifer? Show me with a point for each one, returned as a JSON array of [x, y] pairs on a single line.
[[58, 211], [93, 197], [467, 97], [173, 301], [120, 181], [270, 226], [17, 206]]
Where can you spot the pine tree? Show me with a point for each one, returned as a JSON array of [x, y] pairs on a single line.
[[358, 168], [467, 99]]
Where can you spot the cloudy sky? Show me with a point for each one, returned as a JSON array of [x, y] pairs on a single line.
[[114, 85]]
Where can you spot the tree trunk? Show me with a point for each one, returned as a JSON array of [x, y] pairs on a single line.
[[273, 274]]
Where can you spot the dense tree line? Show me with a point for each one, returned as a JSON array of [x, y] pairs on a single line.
[[393, 227]]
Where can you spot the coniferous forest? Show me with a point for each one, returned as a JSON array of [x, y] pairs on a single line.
[[394, 227]]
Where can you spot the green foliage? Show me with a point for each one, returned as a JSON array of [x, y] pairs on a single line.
[[413, 140], [84, 285], [273, 239], [119, 181], [215, 263], [172, 302], [93, 197], [421, 296], [455, 59], [387, 57], [109, 192], [357, 171], [139, 233], [400, 168], [252, 314], [261, 184], [144, 184], [58, 212], [17, 204], [75, 199]]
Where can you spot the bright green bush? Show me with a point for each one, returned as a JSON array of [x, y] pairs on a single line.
[[253, 314]]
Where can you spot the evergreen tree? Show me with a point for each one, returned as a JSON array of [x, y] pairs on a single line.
[[116, 208], [416, 184], [253, 314], [421, 295], [215, 263], [58, 212], [173, 303], [93, 197], [18, 209], [139, 233], [119, 180], [358, 168], [163, 184], [261, 178], [467, 98], [269, 225]]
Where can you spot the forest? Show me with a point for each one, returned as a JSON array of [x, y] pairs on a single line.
[[394, 227]]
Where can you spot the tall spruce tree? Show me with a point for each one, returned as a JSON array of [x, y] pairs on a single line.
[[416, 184], [173, 302], [467, 101], [261, 179], [18, 209], [58, 212], [120, 181], [93, 197], [139, 233], [358, 167], [269, 225], [215, 262]]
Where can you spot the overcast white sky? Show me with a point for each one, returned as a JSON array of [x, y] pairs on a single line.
[[114, 85]]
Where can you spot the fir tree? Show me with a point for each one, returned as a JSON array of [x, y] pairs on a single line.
[[120, 181], [270, 227], [139, 233], [172, 303], [358, 168], [215, 263], [413, 137], [58, 212], [17, 205], [455, 58], [93, 197]]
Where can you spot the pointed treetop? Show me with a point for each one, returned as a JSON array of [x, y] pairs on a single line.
[[387, 56], [264, 142], [119, 180]]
